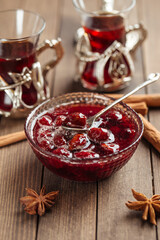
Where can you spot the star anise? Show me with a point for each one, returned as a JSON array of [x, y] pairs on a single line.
[[37, 204], [148, 206]]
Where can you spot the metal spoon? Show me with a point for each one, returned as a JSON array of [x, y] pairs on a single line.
[[90, 121], [107, 5]]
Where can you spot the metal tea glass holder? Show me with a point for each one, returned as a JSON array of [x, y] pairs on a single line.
[[23, 82], [115, 61]]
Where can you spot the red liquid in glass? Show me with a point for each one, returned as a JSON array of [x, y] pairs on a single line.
[[102, 32], [13, 58]]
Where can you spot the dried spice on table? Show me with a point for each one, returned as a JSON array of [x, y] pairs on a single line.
[[37, 204], [148, 206]]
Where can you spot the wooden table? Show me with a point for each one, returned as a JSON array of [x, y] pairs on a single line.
[[94, 211]]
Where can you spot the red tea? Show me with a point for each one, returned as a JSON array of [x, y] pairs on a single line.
[[13, 58], [102, 32]]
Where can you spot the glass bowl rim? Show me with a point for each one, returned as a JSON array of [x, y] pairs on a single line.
[[74, 159]]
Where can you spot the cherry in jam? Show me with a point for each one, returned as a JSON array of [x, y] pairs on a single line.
[[75, 119]]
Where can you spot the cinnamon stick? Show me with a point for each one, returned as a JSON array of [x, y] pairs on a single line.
[[140, 107], [152, 100], [12, 138], [151, 134]]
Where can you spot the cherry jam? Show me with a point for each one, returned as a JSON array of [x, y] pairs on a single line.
[[13, 58], [80, 155], [102, 31]]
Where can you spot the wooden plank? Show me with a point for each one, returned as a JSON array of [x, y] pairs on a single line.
[[115, 221], [152, 58], [74, 215], [19, 168], [66, 70]]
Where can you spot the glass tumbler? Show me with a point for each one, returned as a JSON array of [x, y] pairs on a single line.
[[23, 82], [103, 43]]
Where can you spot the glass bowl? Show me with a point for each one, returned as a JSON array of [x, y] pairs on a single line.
[[82, 169]]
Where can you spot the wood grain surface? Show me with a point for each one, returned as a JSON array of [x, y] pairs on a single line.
[[83, 211]]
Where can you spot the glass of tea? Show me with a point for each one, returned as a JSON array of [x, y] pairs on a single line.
[[104, 61], [23, 82]]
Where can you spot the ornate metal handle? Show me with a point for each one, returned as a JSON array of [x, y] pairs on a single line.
[[51, 44], [134, 41], [23, 78]]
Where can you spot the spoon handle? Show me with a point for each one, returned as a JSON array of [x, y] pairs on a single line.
[[107, 5], [151, 78]]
